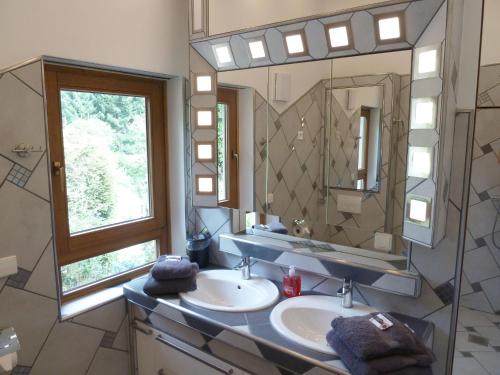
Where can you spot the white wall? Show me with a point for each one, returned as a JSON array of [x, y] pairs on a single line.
[[230, 15], [150, 35], [490, 53]]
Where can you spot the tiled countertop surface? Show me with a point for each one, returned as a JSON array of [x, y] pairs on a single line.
[[255, 326]]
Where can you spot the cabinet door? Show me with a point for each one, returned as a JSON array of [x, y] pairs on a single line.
[[162, 354]]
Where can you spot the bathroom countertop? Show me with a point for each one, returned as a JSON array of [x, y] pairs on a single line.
[[255, 326]]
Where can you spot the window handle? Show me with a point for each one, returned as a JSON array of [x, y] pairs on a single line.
[[235, 156], [58, 170]]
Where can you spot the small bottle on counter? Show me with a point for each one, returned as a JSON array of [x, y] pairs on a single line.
[[292, 283]]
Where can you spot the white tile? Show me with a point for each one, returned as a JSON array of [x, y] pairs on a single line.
[[43, 278], [492, 334], [463, 344], [472, 318], [68, 350], [468, 366], [490, 361], [482, 177], [109, 362], [476, 301], [487, 126], [39, 180], [480, 265], [481, 218], [121, 339], [492, 290], [22, 116], [26, 225], [5, 166], [107, 317], [32, 75], [31, 315]]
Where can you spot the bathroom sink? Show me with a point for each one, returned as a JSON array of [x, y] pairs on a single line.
[[306, 319], [225, 290]]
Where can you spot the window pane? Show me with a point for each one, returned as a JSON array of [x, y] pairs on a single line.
[[222, 149], [106, 158], [90, 270]]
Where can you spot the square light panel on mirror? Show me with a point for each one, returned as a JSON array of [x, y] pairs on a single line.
[[295, 42], [257, 49], [389, 28], [205, 185], [204, 151], [223, 55], [420, 161], [339, 36], [204, 118], [423, 113], [418, 210], [204, 84], [427, 62]]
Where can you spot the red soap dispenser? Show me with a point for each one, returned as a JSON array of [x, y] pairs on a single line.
[[292, 283]]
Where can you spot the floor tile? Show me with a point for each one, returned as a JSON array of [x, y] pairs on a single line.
[[472, 318], [109, 362], [490, 361], [464, 344], [468, 366]]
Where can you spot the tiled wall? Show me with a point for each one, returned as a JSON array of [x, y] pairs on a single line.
[[295, 176], [481, 272], [93, 343]]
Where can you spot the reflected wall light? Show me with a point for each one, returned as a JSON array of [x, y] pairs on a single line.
[[204, 118], [420, 161], [223, 55], [295, 42], [423, 113], [204, 151], [418, 210], [204, 84], [257, 49], [339, 36], [427, 62], [389, 28], [205, 184]]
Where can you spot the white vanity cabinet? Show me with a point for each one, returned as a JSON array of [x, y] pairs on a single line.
[[160, 354]]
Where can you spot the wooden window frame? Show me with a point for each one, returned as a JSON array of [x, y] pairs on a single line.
[[91, 243], [229, 97]]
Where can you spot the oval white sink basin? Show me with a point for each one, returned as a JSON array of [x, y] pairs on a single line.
[[225, 290], [306, 319]]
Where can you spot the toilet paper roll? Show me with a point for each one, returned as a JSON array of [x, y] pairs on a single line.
[[8, 362]]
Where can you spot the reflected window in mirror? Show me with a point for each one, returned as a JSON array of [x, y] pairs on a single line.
[[227, 147]]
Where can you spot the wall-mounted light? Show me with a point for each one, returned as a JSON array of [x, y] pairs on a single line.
[[339, 36], [427, 62], [295, 42], [204, 84], [418, 210], [420, 161], [223, 55], [205, 184], [204, 118], [389, 28], [257, 49], [423, 113], [204, 151]]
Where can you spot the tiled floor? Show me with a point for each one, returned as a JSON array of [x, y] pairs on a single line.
[[477, 349]]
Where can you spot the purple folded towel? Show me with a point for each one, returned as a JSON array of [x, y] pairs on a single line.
[[366, 341], [168, 268], [411, 364], [154, 287]]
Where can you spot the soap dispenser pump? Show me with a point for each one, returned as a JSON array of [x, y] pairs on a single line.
[[292, 283]]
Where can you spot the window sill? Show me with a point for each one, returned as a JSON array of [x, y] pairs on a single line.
[[90, 302]]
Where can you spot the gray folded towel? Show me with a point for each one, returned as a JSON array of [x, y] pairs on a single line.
[[366, 341], [277, 227], [168, 268], [411, 364], [154, 287]]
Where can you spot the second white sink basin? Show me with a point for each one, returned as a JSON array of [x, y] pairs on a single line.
[[306, 319], [225, 290]]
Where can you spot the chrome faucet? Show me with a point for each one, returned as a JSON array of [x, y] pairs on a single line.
[[244, 266], [346, 293]]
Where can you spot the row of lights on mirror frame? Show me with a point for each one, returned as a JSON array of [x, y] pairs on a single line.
[[424, 114], [389, 29]]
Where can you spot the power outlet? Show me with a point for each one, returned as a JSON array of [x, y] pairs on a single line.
[[300, 135]]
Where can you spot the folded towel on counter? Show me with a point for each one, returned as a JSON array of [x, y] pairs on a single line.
[[366, 341], [154, 287], [172, 267], [410, 364], [277, 227]]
